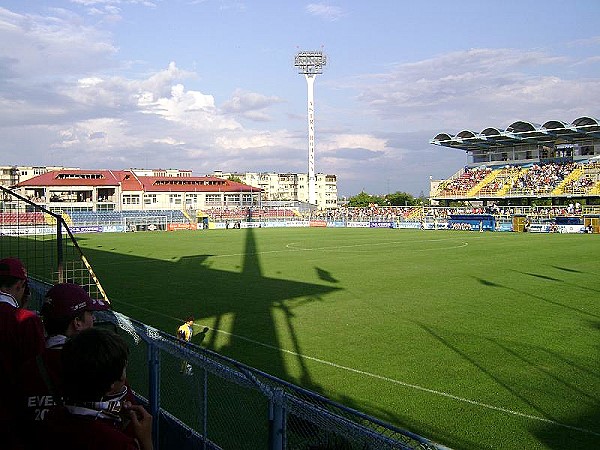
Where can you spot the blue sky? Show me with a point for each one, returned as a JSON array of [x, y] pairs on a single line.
[[210, 85]]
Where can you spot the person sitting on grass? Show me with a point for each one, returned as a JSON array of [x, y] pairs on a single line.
[[94, 415]]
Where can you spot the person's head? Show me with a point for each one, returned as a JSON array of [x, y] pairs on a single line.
[[94, 363], [189, 320], [68, 309], [13, 279]]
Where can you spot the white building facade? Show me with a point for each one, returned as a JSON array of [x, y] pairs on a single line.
[[289, 186], [127, 190]]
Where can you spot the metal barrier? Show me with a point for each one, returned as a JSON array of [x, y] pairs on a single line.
[[45, 244], [226, 404], [222, 404]]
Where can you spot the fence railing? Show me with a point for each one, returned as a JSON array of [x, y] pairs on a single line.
[[221, 404]]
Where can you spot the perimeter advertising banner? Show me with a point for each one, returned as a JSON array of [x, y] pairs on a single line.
[[381, 224], [26, 231], [181, 226], [86, 229], [358, 225], [414, 225], [318, 223]]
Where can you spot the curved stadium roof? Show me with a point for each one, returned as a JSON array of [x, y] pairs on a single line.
[[520, 133]]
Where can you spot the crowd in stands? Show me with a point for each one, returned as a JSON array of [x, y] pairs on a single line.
[[580, 185], [368, 213], [224, 213], [542, 178], [466, 181], [527, 180]]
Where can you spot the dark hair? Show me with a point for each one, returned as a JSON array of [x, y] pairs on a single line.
[[60, 325], [7, 281], [189, 319], [92, 361]]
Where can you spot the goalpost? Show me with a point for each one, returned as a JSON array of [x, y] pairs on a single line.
[[145, 223]]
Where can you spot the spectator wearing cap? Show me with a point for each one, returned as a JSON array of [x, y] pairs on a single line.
[[67, 310], [21, 338], [95, 411]]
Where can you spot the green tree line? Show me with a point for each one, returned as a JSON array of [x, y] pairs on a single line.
[[396, 199]]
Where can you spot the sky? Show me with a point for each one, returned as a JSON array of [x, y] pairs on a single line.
[[208, 85]]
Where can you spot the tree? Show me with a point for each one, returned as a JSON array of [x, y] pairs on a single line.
[[363, 199], [234, 178], [401, 199]]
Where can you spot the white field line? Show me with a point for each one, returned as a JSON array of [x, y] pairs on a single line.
[[381, 377], [412, 386], [290, 247]]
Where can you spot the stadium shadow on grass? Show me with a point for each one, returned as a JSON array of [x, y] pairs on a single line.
[[247, 305], [325, 275], [566, 432], [452, 439], [553, 434], [538, 297], [566, 269], [546, 277]]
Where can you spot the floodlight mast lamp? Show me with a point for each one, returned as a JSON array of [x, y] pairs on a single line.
[[311, 64]]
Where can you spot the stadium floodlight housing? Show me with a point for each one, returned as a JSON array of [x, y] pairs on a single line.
[[311, 64]]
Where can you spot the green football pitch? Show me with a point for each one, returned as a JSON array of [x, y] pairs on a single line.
[[474, 340]]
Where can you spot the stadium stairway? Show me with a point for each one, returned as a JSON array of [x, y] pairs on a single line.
[[574, 175], [415, 213], [190, 219], [489, 178], [510, 179], [67, 218]]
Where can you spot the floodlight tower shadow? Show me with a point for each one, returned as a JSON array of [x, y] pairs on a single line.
[[257, 298]]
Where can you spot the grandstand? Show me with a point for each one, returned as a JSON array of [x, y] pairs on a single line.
[[555, 161]]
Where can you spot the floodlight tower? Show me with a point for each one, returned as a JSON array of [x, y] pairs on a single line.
[[311, 64]]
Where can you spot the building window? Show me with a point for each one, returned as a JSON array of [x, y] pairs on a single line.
[[213, 199], [129, 199], [191, 199], [232, 199], [175, 199], [150, 199]]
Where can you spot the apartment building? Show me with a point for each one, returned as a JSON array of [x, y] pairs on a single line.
[[289, 186]]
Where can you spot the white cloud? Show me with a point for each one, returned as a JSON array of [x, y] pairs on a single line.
[[476, 88], [325, 11], [41, 47], [254, 140], [250, 105], [64, 99], [364, 141]]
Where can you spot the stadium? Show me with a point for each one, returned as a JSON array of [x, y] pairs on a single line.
[[468, 323]]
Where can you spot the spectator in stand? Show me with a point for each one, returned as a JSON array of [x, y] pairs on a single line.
[[67, 310], [94, 413], [21, 338]]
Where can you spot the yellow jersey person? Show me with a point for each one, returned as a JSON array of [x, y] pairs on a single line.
[[184, 334], [186, 331]]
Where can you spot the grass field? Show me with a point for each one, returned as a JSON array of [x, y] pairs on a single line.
[[474, 340]]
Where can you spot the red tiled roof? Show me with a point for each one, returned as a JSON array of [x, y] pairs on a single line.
[[130, 182], [75, 178]]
